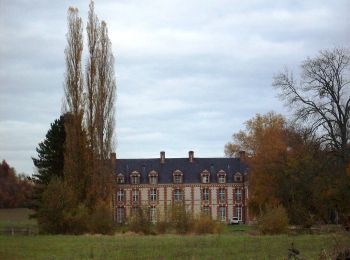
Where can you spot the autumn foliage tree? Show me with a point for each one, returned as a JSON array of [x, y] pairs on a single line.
[[15, 190]]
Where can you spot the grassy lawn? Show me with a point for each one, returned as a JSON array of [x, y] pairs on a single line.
[[162, 246]]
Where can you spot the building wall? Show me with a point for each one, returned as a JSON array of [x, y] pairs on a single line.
[[192, 198]]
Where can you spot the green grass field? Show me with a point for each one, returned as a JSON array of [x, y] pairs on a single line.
[[162, 247], [236, 242]]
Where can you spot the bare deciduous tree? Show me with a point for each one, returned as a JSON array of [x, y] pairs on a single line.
[[92, 29], [322, 98], [106, 88], [73, 87]]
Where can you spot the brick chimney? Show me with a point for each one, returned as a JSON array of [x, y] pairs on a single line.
[[113, 158], [162, 157], [191, 156], [242, 155]]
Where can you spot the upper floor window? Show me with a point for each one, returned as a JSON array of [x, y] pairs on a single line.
[[120, 178], [205, 175], [178, 195], [221, 177], [205, 194], [135, 177], [238, 177], [153, 195], [153, 177], [177, 175], [135, 196], [222, 195], [238, 194], [120, 196]]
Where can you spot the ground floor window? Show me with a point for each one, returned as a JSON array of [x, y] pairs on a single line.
[[120, 215], [222, 214], [238, 213], [178, 195], [153, 214]]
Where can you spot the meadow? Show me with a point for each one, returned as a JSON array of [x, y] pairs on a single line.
[[239, 242]]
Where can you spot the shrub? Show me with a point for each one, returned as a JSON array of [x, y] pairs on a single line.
[[273, 221], [100, 220], [181, 219], [205, 225], [162, 226], [140, 222]]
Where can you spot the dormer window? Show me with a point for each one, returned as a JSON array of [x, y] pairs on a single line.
[[135, 177], [120, 178], [221, 177], [177, 177], [238, 177], [205, 175], [153, 177]]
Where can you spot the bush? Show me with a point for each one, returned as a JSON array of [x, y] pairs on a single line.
[[273, 221], [101, 220], [162, 226], [205, 225], [140, 222], [181, 219]]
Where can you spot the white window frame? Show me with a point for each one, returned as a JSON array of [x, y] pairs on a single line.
[[177, 178], [153, 179], [205, 194], [206, 210], [238, 213], [153, 195], [178, 195], [205, 178], [222, 213], [120, 196], [238, 195], [222, 178], [222, 194], [135, 196]]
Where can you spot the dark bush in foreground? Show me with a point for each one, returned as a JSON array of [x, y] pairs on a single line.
[[205, 225]]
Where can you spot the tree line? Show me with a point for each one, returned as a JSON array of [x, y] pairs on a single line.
[[302, 163]]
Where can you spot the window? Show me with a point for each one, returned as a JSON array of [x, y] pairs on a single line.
[[222, 178], [120, 215], [222, 213], [238, 213], [153, 195], [120, 178], [135, 177], [120, 196], [238, 177], [153, 177], [178, 195], [177, 177], [205, 194], [135, 196], [205, 176], [222, 195], [153, 214], [238, 195], [205, 210]]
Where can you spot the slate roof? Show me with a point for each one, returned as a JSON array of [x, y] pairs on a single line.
[[191, 170]]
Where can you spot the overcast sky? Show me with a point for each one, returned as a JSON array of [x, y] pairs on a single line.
[[189, 73]]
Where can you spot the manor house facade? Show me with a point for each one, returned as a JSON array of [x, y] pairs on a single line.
[[217, 187]]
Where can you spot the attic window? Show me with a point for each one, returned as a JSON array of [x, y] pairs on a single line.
[[120, 178], [205, 176], [221, 177], [135, 177], [238, 177], [177, 177], [153, 177]]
